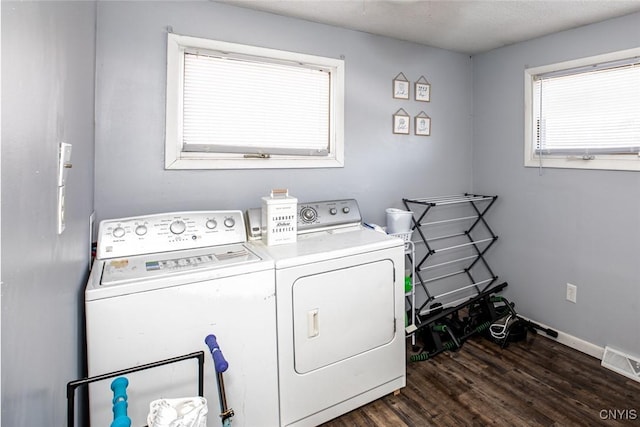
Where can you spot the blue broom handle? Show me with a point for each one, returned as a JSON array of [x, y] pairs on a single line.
[[219, 361]]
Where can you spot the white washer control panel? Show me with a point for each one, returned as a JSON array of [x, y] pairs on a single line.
[[169, 232]]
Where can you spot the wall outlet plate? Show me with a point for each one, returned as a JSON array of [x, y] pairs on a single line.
[[64, 162], [572, 292], [60, 215]]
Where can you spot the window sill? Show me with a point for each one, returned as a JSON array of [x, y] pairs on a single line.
[[242, 163], [621, 163]]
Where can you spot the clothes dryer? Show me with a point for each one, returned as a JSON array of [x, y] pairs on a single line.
[[340, 311]]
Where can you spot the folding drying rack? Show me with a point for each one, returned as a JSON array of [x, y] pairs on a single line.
[[451, 268]]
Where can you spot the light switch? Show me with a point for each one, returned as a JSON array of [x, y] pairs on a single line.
[[64, 163]]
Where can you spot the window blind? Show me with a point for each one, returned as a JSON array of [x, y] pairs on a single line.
[[238, 105], [594, 110]]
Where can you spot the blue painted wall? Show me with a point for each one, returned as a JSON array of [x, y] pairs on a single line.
[[559, 225]]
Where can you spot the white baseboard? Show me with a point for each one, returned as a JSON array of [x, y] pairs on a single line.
[[573, 342]]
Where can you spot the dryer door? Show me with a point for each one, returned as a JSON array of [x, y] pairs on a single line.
[[339, 344], [342, 313]]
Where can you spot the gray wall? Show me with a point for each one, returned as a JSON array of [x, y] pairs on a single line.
[[48, 96], [562, 225], [48, 54], [380, 168]]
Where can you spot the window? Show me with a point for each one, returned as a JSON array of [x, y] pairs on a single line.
[[232, 106], [584, 113]]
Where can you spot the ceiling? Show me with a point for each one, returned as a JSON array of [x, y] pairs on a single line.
[[465, 26]]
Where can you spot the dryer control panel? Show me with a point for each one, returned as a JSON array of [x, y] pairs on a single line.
[[327, 214], [169, 232], [314, 216]]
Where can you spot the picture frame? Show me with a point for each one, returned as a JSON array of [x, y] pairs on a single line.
[[401, 87], [422, 90], [401, 122], [422, 125]]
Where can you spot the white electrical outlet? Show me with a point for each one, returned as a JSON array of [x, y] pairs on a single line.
[[64, 163], [572, 292]]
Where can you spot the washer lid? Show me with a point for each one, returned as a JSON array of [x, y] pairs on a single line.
[[130, 269]]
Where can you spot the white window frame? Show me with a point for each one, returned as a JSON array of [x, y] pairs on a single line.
[[629, 162], [177, 158]]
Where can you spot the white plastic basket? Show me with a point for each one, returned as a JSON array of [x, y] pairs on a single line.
[[406, 238]]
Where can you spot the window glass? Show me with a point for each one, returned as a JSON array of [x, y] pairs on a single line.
[[585, 116], [231, 103]]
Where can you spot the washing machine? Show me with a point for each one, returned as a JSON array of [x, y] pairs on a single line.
[[340, 311], [160, 284]]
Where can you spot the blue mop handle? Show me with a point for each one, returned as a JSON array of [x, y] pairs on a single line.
[[218, 359], [120, 418]]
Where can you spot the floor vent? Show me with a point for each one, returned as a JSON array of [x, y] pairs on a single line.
[[621, 363]]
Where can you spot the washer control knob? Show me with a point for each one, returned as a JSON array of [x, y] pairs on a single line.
[[211, 224], [118, 232], [346, 209], [141, 230], [229, 222], [333, 211], [177, 227]]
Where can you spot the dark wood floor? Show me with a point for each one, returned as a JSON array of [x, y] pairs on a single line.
[[536, 382]]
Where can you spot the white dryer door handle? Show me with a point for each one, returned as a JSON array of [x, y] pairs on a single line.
[[312, 323]]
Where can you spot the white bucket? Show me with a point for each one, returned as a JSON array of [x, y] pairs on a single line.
[[398, 221]]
